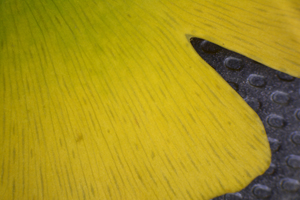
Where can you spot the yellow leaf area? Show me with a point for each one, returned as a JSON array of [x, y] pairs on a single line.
[[109, 100]]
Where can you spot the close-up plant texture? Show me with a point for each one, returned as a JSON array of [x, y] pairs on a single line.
[[105, 99]]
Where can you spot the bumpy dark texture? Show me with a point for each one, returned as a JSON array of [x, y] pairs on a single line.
[[275, 97]]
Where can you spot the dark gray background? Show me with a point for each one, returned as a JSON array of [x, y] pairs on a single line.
[[275, 97]]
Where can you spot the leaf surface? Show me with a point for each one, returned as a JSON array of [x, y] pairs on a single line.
[[108, 99]]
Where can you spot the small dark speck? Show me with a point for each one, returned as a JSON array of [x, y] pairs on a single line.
[[93, 191], [79, 138], [152, 155]]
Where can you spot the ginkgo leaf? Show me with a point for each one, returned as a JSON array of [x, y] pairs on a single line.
[[109, 100]]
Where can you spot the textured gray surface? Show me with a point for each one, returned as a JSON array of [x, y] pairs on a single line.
[[275, 97]]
